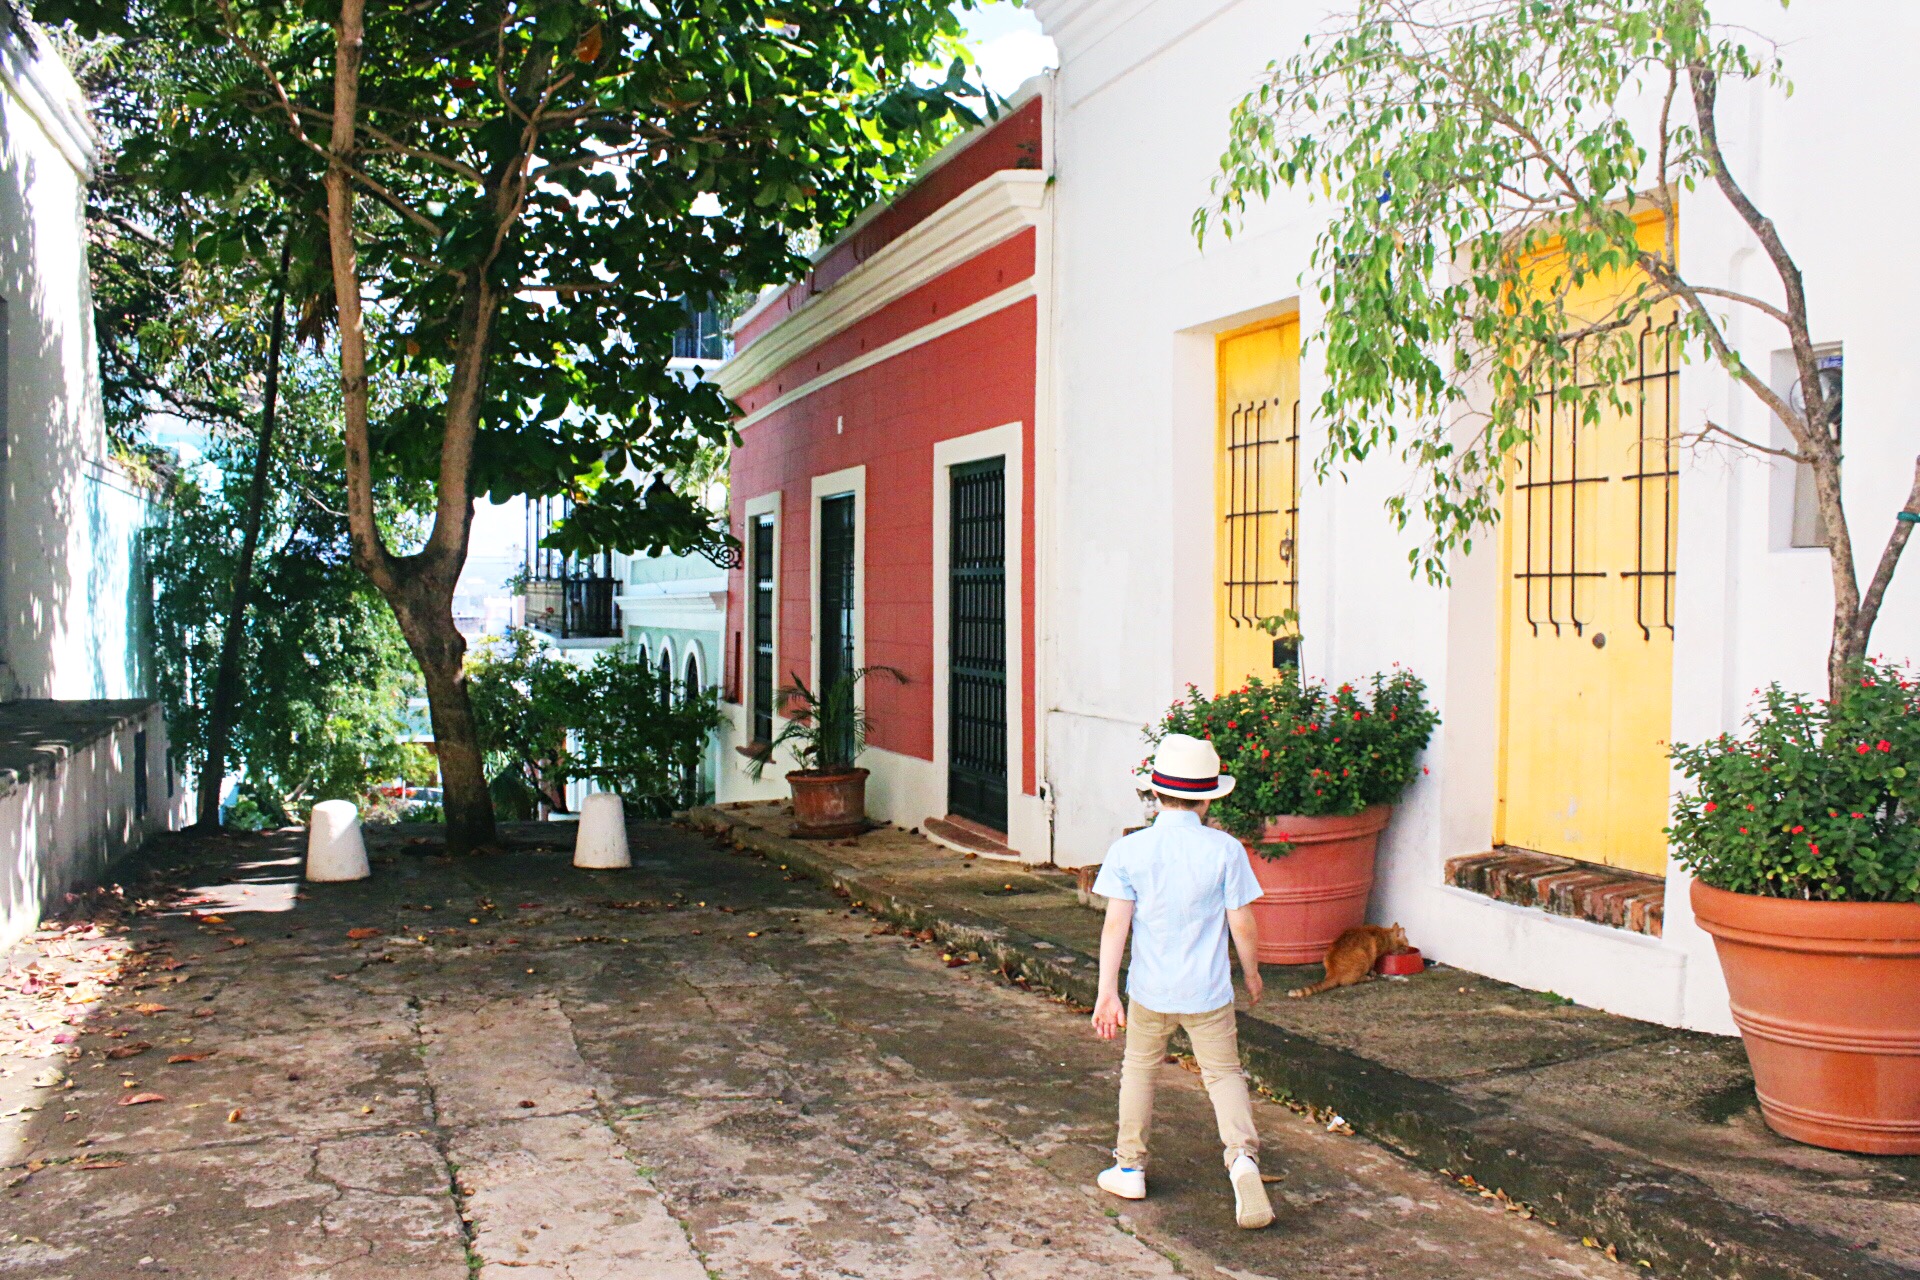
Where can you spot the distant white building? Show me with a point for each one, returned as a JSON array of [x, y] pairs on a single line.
[[671, 608], [83, 752]]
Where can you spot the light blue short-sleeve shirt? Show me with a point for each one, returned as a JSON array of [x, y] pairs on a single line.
[[1182, 878]]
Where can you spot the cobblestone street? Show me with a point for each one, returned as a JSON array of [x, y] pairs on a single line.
[[700, 1067]]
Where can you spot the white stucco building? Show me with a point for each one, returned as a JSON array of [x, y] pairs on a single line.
[[1132, 423], [83, 753]]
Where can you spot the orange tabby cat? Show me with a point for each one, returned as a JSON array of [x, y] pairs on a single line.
[[1351, 957]]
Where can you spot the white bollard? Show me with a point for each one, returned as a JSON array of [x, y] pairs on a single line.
[[335, 850], [602, 840]]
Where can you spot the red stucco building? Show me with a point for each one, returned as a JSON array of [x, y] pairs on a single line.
[[883, 489]]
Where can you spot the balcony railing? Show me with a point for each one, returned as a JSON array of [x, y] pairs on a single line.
[[574, 608]]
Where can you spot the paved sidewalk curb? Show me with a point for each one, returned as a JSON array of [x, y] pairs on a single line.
[[1643, 1209]]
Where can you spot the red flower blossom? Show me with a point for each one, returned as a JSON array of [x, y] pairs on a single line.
[[1796, 831], [1711, 806], [1863, 748], [1743, 831], [1883, 745]]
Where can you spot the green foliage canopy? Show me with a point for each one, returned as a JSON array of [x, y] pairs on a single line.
[[555, 148], [1483, 168], [326, 672]]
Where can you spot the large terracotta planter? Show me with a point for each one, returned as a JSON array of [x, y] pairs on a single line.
[[1827, 997], [1318, 891], [827, 806]]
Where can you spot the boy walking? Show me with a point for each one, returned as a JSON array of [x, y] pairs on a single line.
[[1182, 888]]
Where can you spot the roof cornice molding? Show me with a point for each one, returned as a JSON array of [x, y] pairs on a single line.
[[1083, 22], [39, 81], [992, 210]]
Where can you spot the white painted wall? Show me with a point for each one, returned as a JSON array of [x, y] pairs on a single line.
[[72, 586], [69, 519], [1141, 105], [64, 821]]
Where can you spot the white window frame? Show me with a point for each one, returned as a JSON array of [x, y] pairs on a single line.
[[767, 504], [838, 484], [1008, 442]]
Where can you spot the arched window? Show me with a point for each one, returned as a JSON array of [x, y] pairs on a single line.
[[666, 673], [645, 660], [691, 679]]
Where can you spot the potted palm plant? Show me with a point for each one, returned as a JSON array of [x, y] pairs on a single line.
[[1803, 835], [825, 732], [1318, 773]]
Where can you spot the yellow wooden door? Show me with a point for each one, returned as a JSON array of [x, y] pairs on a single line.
[[1258, 496], [1588, 547]]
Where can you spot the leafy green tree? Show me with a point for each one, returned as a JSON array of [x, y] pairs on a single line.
[[510, 190], [522, 691], [1462, 146], [326, 671]]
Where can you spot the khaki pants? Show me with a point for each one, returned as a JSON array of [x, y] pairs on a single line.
[[1216, 1047]]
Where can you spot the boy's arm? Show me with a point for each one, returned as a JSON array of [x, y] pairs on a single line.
[[1109, 1015], [1246, 940]]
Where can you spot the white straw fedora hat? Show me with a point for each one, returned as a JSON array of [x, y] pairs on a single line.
[[1189, 768]]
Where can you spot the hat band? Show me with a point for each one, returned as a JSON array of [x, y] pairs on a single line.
[[1167, 782]]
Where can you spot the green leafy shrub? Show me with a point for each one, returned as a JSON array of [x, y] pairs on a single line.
[[642, 734], [1299, 749], [1815, 800], [545, 721]]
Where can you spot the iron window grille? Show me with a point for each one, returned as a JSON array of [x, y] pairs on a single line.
[[837, 596], [1263, 528], [977, 644], [762, 695], [1556, 494]]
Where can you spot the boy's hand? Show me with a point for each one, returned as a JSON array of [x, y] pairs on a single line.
[[1255, 986], [1109, 1015]]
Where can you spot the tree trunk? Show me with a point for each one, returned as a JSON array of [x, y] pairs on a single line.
[[226, 681], [425, 613]]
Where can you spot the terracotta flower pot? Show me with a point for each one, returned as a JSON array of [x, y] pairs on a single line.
[[1827, 998], [1318, 891], [827, 806]]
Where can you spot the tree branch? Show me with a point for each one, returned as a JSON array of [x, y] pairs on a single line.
[[1869, 611]]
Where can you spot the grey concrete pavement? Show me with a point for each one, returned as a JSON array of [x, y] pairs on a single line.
[[700, 1067]]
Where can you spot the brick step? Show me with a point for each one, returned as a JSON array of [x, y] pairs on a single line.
[[1583, 890]]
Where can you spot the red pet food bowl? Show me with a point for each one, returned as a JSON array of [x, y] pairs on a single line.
[[1399, 964]]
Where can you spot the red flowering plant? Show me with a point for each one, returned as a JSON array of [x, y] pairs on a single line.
[[1816, 800], [1298, 748]]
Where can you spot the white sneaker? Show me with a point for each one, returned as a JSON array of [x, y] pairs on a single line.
[[1127, 1183], [1250, 1206]]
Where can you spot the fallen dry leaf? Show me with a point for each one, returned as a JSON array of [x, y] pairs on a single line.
[[216, 919], [528, 1102], [136, 1099], [150, 1009], [234, 1116], [190, 1057], [361, 934], [101, 1164], [133, 1050], [236, 942], [201, 1013]]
